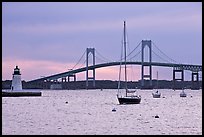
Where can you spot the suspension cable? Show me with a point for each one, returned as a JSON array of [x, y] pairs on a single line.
[[106, 59], [134, 49], [135, 55], [160, 57], [164, 53], [100, 59], [84, 61], [79, 60], [131, 51]]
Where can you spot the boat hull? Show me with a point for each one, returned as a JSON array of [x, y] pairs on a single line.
[[129, 100], [182, 95], [156, 95]]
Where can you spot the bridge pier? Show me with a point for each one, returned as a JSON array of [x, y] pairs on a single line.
[[67, 79], [178, 70], [64, 79], [92, 51], [73, 75], [55, 81], [149, 65], [195, 82], [55, 84]]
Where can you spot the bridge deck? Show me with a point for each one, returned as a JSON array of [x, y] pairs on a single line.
[[195, 68]]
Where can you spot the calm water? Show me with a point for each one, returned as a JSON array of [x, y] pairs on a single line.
[[90, 112]]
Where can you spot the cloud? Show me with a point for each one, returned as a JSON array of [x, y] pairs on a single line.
[[167, 22], [159, 21], [32, 69]]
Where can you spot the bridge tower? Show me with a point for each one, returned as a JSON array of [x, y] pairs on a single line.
[[92, 51], [178, 70], [149, 45], [195, 81]]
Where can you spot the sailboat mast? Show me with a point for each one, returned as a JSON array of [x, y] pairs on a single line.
[[125, 58], [157, 79]]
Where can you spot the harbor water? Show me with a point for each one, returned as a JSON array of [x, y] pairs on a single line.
[[89, 112]]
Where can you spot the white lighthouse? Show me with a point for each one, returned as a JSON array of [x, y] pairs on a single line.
[[16, 80]]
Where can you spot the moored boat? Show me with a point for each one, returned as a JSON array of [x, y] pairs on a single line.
[[130, 96], [183, 94], [156, 94]]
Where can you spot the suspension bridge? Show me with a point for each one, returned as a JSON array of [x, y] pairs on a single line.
[[136, 57]]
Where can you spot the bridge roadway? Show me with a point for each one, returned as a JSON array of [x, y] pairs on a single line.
[[194, 68]]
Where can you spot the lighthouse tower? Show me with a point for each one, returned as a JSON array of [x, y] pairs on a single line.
[[16, 80]]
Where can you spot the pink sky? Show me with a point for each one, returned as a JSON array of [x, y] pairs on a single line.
[[32, 69]]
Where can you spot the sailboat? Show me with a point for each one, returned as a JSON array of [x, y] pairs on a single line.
[[130, 97], [156, 94], [183, 94]]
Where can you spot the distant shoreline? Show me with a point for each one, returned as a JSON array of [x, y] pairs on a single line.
[[104, 84]]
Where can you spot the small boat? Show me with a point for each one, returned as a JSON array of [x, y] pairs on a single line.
[[156, 94], [130, 97], [183, 94]]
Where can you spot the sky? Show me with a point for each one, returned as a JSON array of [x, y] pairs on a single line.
[[46, 38]]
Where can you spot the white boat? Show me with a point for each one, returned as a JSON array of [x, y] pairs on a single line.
[[130, 97], [156, 94], [183, 94]]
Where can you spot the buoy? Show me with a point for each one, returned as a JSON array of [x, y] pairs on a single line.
[[113, 109], [156, 116]]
